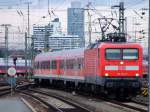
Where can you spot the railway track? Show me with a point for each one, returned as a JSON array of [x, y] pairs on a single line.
[[4, 90], [54, 103], [134, 105], [130, 104], [141, 100]]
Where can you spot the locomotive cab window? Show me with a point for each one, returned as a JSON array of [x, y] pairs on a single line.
[[130, 54], [113, 54], [53, 64], [121, 54]]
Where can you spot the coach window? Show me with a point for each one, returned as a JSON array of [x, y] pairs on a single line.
[[79, 66], [45, 65], [40, 65], [62, 64], [80, 63], [75, 64], [37, 65], [48, 65], [69, 64], [54, 64]]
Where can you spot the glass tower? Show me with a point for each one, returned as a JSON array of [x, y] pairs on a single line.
[[76, 21]]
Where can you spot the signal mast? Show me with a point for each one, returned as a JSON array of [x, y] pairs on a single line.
[[119, 36]]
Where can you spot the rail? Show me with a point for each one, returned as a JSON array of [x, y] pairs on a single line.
[[4, 90], [78, 108], [51, 107]]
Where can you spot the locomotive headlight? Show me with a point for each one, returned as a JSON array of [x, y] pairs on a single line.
[[106, 74], [137, 74], [121, 62]]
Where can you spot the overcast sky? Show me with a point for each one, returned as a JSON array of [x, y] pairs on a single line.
[[53, 3], [10, 12]]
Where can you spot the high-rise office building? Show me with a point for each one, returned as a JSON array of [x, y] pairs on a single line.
[[75, 23], [60, 42], [39, 33], [56, 40]]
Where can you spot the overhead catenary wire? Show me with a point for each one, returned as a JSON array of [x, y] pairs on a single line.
[[60, 10]]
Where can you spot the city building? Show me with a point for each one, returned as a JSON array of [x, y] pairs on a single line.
[[60, 42], [40, 32], [55, 39], [75, 24]]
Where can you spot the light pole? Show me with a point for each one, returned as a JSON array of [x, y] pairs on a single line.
[[149, 59], [28, 3], [27, 35], [26, 52]]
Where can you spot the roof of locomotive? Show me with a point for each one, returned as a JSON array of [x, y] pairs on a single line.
[[118, 45], [72, 53], [114, 45]]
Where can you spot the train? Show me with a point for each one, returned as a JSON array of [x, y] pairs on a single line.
[[20, 67], [110, 68]]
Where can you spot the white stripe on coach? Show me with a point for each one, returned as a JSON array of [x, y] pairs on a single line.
[[60, 76]]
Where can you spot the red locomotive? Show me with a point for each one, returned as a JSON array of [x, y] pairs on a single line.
[[112, 68]]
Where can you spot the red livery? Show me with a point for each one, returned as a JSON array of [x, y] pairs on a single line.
[[113, 68]]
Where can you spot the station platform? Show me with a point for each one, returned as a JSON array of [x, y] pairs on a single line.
[[13, 104]]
